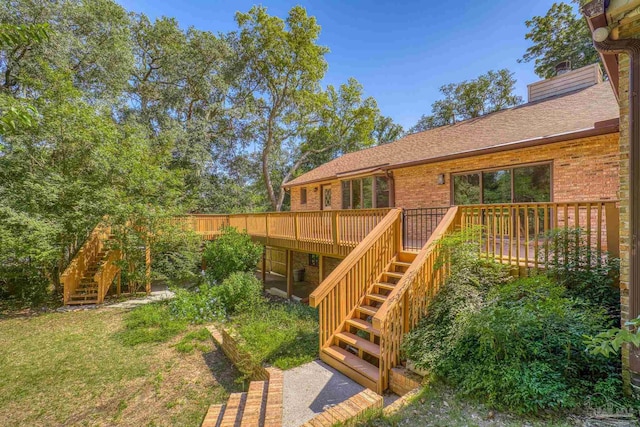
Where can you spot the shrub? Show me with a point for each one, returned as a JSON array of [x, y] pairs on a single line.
[[232, 251], [587, 273], [176, 256], [150, 323], [515, 344], [240, 291], [204, 304]]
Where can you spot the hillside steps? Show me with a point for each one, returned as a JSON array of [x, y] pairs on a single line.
[[259, 406], [354, 348]]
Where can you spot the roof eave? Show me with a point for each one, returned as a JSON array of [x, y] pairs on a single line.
[[600, 128]]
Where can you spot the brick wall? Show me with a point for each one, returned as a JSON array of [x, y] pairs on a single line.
[[583, 169], [311, 273], [314, 197], [239, 358], [626, 31]]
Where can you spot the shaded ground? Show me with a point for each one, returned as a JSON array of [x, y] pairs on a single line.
[[314, 387], [68, 369], [438, 407]]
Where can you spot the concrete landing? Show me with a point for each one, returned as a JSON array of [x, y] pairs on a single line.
[[314, 387]]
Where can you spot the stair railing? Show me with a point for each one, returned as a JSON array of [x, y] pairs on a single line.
[[408, 301], [342, 290], [107, 271], [86, 256]]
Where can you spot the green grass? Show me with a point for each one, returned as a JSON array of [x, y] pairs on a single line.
[[150, 323], [75, 369], [284, 335], [194, 340]]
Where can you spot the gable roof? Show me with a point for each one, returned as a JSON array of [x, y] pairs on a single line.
[[589, 111]]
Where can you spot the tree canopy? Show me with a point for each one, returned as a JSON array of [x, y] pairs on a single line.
[[485, 94], [560, 35]]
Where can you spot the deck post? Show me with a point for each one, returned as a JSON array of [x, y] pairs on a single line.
[[264, 266], [320, 268], [612, 221], [334, 231], [289, 273], [119, 283], [147, 260]]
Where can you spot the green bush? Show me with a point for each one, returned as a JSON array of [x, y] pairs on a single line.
[[176, 256], [240, 291], [232, 251], [204, 304], [515, 344], [587, 273], [524, 349], [149, 324]]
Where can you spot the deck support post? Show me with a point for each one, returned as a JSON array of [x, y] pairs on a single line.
[[147, 260], [320, 268], [264, 266], [289, 273]]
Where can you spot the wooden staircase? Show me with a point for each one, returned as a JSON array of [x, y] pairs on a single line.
[[89, 275], [259, 406], [375, 296], [355, 347], [87, 290]]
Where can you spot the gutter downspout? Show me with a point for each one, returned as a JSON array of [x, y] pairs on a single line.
[[632, 48]]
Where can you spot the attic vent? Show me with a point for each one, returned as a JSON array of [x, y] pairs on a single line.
[[565, 82]]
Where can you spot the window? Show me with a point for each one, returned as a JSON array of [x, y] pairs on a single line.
[[314, 260], [303, 196], [365, 193], [519, 184], [326, 197]]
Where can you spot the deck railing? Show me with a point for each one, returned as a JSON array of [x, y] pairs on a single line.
[[326, 232], [340, 293], [418, 224], [517, 233], [408, 301]]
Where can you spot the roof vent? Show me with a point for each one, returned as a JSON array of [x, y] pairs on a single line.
[[565, 81]]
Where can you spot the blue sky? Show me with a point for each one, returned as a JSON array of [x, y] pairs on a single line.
[[401, 51]]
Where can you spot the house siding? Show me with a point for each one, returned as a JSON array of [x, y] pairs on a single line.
[[583, 169]]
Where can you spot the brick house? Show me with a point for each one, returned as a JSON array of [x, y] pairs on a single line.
[[562, 145]]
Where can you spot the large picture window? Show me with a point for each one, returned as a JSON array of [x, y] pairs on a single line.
[[519, 184], [365, 193]]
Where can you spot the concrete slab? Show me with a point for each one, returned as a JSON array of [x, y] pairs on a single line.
[[154, 297], [311, 388]]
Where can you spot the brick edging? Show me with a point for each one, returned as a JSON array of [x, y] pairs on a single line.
[[241, 359], [350, 409]]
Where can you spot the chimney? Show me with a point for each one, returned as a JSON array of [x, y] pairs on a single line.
[[565, 81]]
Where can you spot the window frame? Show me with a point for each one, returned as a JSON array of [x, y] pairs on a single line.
[[511, 168], [303, 195], [374, 188], [314, 260]]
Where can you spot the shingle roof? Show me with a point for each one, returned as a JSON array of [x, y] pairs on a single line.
[[566, 114]]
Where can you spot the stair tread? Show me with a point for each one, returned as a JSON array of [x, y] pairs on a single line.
[[367, 309], [354, 362], [363, 325], [385, 285], [254, 404], [401, 263], [377, 297], [359, 342], [233, 410], [82, 301], [95, 294], [393, 274]]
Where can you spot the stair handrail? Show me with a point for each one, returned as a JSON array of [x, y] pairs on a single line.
[[106, 272], [354, 256], [86, 255], [344, 288], [401, 311]]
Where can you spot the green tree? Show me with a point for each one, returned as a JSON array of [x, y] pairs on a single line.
[[560, 35], [485, 94], [385, 130]]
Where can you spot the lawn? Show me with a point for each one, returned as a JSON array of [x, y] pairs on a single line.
[[281, 334], [77, 368]]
